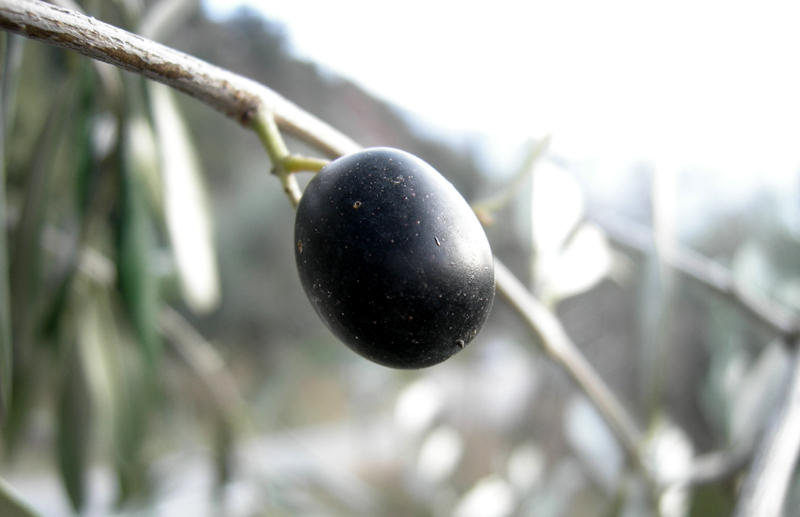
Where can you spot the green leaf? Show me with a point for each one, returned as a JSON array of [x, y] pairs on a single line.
[[25, 262], [142, 156], [12, 505], [137, 281], [74, 432], [133, 402], [186, 204], [713, 500], [11, 50], [120, 384], [223, 449]]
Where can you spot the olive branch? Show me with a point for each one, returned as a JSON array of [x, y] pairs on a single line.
[[268, 114]]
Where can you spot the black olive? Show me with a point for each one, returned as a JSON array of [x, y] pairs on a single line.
[[393, 259]]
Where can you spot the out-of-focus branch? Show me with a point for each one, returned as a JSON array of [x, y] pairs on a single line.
[[767, 483], [557, 344], [205, 362], [707, 272], [236, 96]]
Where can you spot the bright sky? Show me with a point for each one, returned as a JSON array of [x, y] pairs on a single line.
[[710, 84]]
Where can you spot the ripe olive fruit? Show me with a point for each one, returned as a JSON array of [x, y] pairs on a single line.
[[393, 259]]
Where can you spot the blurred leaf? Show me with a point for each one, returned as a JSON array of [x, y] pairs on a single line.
[[671, 451], [119, 385], [11, 49], [27, 245], [557, 207], [26, 259], [758, 392], [752, 268], [594, 443], [138, 283], [789, 293], [95, 337], [12, 505], [142, 155], [526, 467], [489, 497], [712, 500], [583, 263], [164, 17], [131, 423], [186, 204], [75, 430], [223, 450], [536, 150], [440, 453], [418, 405]]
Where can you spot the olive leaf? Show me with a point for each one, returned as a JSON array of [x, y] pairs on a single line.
[[138, 283], [485, 208], [752, 269], [27, 258], [186, 204], [11, 54], [440, 453], [593, 443], [491, 496], [557, 207], [671, 452], [12, 505], [570, 257], [119, 384], [74, 430], [142, 155], [584, 261], [758, 392]]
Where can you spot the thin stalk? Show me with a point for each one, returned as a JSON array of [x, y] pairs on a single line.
[[267, 130], [296, 163]]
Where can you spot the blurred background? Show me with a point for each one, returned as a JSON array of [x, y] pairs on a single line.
[[167, 362]]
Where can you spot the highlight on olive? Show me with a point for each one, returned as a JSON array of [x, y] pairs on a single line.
[[393, 259]]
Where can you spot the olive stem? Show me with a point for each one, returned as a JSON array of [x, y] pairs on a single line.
[[297, 163], [267, 130]]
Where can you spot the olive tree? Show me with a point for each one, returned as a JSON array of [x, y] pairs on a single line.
[[114, 310]]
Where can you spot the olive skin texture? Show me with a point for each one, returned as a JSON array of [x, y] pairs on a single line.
[[393, 259]]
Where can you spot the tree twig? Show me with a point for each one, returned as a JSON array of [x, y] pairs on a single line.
[[205, 362], [236, 96], [560, 348], [705, 271]]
